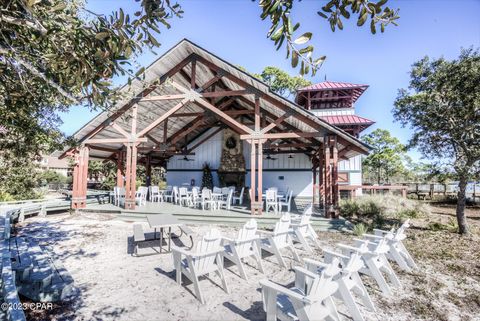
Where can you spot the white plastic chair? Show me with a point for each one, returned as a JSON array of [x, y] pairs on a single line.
[[207, 201], [183, 196], [226, 203], [141, 195], [287, 203], [155, 194], [245, 245], [350, 285], [271, 200], [376, 264], [239, 199], [397, 251], [302, 232], [205, 259], [279, 239], [310, 298]]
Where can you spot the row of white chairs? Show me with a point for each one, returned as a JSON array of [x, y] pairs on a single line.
[[210, 252], [316, 282], [338, 275]]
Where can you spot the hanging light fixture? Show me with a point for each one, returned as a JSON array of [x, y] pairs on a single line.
[[290, 156]]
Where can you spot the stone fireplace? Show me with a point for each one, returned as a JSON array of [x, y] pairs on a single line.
[[231, 171]]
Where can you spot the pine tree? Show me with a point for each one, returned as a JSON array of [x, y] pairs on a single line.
[[207, 178]]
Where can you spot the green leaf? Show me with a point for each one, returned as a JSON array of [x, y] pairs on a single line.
[[276, 35], [140, 71], [101, 35], [294, 59], [59, 7], [303, 38], [321, 14], [320, 60], [362, 19], [373, 29]]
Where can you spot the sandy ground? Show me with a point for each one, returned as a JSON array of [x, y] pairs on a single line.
[[114, 285]]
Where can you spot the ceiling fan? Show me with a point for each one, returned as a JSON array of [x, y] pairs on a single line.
[[185, 158], [269, 157]]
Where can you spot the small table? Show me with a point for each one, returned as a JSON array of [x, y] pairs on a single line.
[[162, 221]]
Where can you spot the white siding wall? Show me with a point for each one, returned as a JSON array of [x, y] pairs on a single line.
[[352, 164], [296, 171]]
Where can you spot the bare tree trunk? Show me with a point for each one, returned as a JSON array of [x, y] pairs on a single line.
[[462, 220]]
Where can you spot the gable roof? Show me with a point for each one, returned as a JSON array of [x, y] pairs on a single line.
[[148, 111]]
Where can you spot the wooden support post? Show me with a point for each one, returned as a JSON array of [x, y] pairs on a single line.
[[148, 174], [120, 169], [252, 177], [327, 174], [130, 176], [80, 175], [314, 173], [335, 190], [321, 178], [131, 166], [260, 177]]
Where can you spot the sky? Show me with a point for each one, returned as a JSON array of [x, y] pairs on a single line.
[[233, 30]]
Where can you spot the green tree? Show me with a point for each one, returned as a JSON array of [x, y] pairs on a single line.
[[387, 155], [51, 176], [284, 31], [281, 82], [442, 106], [57, 53], [207, 178]]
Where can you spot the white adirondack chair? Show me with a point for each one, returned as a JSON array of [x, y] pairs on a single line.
[[205, 259], [279, 239], [397, 252], [309, 299], [308, 211], [245, 245], [239, 199], [376, 263], [303, 231], [348, 280]]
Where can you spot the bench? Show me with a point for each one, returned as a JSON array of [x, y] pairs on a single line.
[[14, 311], [139, 236]]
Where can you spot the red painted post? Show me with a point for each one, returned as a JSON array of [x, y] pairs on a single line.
[[252, 177], [260, 177], [120, 169]]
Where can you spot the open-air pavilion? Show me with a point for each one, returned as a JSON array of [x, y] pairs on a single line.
[[187, 96]]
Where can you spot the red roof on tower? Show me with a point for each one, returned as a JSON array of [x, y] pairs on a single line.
[[347, 120], [355, 89]]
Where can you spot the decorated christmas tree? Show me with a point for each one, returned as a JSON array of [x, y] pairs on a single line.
[[207, 178]]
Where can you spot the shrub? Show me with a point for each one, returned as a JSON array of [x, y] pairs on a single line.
[[360, 229], [5, 196], [382, 210], [349, 208]]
